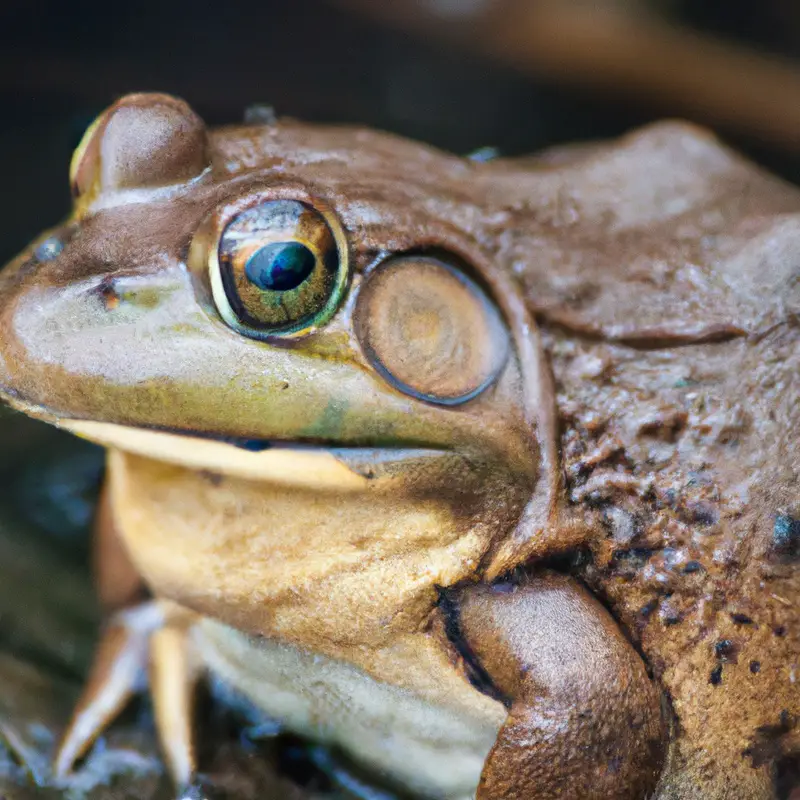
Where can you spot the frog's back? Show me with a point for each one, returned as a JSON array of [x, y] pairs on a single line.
[[665, 236]]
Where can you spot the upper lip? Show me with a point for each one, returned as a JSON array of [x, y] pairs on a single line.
[[15, 399], [20, 403]]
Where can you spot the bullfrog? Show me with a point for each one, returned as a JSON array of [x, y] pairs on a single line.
[[482, 472]]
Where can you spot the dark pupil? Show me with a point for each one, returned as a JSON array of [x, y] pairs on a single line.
[[280, 266]]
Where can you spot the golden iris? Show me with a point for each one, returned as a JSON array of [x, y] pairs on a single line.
[[280, 268]]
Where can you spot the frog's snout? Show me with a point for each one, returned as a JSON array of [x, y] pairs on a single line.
[[10, 390], [5, 377], [7, 274], [142, 142]]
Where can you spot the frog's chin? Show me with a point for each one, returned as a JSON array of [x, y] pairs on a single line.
[[287, 463]]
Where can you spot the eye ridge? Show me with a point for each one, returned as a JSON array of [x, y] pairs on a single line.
[[280, 266]]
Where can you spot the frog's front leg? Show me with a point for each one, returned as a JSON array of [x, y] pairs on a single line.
[[585, 720], [139, 636]]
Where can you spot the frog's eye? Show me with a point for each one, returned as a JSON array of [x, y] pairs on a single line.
[[430, 330], [280, 270]]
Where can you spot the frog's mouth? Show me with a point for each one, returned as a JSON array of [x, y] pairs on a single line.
[[309, 464], [317, 466]]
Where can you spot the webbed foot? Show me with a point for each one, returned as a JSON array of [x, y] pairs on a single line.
[[152, 637]]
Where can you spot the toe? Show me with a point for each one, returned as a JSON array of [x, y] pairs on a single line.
[[173, 675], [119, 661]]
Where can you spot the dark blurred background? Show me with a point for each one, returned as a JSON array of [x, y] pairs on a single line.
[[443, 71]]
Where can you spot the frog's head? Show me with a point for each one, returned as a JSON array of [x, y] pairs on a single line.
[[284, 302]]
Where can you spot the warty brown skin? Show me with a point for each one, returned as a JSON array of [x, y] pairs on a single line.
[[646, 417]]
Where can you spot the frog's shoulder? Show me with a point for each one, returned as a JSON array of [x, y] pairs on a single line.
[[665, 235]]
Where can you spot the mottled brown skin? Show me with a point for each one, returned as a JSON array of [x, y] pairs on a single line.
[[644, 431]]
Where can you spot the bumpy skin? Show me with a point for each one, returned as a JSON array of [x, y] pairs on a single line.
[[644, 434], [689, 454]]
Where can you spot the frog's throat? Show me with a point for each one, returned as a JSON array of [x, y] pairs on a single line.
[[289, 464]]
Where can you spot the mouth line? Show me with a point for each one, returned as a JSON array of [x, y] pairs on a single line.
[[310, 465], [10, 396], [248, 444], [259, 445]]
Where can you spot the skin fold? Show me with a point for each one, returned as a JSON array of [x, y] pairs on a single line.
[[496, 492]]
